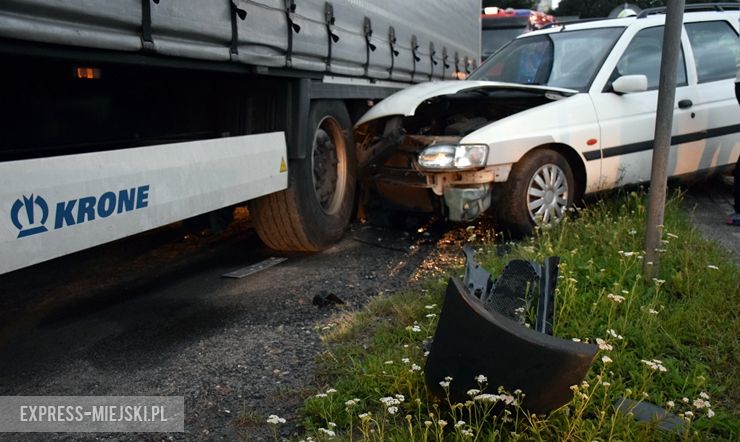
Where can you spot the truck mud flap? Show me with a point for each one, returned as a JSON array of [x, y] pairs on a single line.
[[473, 338]]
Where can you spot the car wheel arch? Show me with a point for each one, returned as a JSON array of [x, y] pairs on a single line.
[[575, 161]]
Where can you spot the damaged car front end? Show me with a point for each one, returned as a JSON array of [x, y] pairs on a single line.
[[433, 151]]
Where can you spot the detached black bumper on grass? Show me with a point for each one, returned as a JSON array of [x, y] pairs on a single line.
[[478, 334]]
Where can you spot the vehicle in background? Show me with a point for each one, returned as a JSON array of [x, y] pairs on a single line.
[[134, 114], [556, 114], [499, 26]]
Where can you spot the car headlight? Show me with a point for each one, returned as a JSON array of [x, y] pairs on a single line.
[[454, 157]]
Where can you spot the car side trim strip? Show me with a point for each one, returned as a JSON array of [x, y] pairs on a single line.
[[647, 145]]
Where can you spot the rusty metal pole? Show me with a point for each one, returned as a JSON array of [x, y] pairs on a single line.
[[663, 127]]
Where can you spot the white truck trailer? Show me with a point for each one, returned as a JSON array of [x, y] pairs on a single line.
[[123, 116]]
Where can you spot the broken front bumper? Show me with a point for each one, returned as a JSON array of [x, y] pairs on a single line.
[[478, 335]]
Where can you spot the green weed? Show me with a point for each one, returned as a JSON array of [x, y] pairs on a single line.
[[671, 341]]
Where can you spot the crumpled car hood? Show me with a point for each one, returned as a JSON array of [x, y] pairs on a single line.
[[406, 101]]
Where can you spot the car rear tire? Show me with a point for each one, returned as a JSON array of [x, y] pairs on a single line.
[[314, 211], [540, 189]]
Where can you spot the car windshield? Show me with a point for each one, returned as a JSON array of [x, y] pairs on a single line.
[[567, 59]]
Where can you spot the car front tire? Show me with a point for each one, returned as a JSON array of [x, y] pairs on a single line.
[[539, 190]]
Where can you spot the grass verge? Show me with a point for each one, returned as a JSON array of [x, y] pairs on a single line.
[[671, 341]]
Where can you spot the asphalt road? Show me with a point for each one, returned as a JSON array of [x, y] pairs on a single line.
[[709, 203], [153, 315]]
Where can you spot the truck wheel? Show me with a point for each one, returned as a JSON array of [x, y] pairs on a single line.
[[539, 190], [314, 211]]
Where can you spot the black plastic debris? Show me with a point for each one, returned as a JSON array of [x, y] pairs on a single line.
[[651, 414], [325, 298], [482, 331]]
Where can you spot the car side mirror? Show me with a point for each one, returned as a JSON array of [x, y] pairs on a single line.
[[629, 84]]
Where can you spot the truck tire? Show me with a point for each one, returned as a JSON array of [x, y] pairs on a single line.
[[539, 190], [314, 211]]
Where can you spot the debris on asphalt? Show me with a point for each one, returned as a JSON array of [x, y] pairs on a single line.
[[325, 298], [254, 268]]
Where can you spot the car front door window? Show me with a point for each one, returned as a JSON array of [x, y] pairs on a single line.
[[643, 56]]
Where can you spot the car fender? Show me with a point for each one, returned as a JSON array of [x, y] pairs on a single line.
[[570, 121]]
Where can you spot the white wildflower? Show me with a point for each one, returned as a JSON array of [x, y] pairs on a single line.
[[392, 410], [331, 391], [275, 419], [652, 311], [331, 425], [704, 395], [614, 334], [670, 404], [459, 424], [710, 413], [389, 401], [481, 379], [442, 423], [428, 423], [400, 397], [429, 307], [713, 267], [351, 403], [414, 328], [321, 395], [656, 365], [329, 433], [414, 367], [405, 360], [473, 392], [701, 403], [467, 433], [606, 359], [431, 316], [364, 416], [487, 397], [603, 345], [388, 362], [616, 298], [685, 400], [444, 384]]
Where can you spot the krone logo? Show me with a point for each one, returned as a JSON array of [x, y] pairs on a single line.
[[30, 215]]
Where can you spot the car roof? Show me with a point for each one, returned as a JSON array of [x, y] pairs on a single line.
[[650, 20]]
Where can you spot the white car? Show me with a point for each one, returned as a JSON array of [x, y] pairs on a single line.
[[555, 114]]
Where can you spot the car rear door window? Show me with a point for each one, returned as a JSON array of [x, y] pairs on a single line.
[[716, 50]]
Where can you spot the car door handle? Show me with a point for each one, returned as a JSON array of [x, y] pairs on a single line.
[[685, 104]]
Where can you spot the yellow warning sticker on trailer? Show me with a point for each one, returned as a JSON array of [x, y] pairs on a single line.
[[283, 166]]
